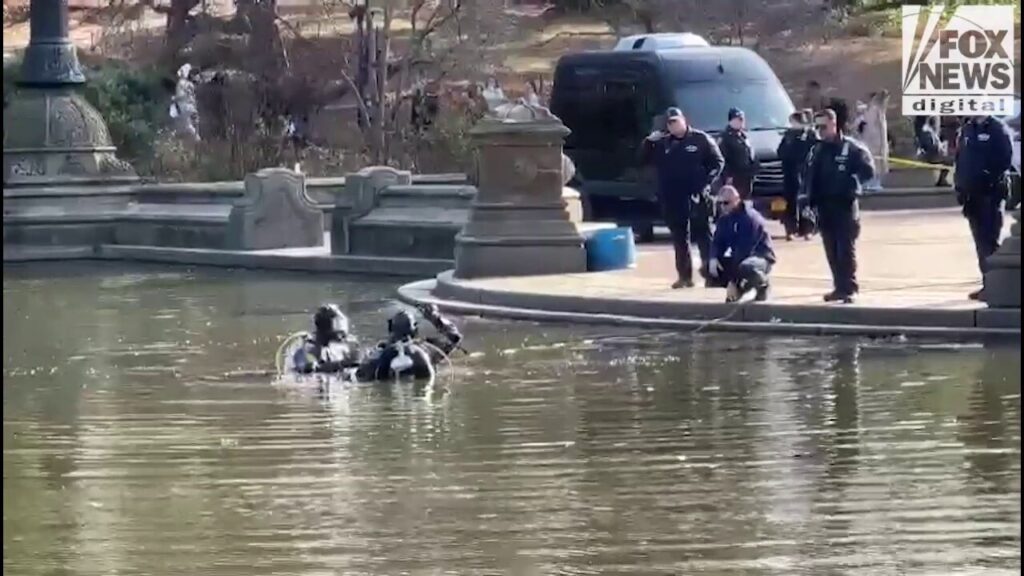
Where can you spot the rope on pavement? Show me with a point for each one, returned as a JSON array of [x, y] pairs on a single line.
[[739, 307]]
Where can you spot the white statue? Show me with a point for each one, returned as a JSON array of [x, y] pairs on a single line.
[[493, 94], [531, 96], [184, 110], [876, 136]]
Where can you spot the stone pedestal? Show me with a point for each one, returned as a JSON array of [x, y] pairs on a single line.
[[52, 135], [1002, 281], [518, 224]]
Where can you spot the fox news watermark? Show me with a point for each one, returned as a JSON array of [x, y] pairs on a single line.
[[960, 66]]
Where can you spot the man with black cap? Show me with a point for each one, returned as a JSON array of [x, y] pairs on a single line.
[[687, 161], [740, 164], [836, 172]]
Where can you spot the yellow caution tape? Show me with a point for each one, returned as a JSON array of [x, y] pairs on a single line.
[[918, 164]]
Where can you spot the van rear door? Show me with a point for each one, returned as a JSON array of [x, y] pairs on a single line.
[[608, 103]]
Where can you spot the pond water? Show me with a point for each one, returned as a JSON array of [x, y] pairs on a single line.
[[143, 434]]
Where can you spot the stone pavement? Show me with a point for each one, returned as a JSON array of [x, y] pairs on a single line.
[[916, 269]]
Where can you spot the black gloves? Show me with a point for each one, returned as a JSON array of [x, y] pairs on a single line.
[[430, 312]]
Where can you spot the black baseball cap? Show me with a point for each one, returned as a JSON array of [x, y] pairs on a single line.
[[673, 113], [735, 113]]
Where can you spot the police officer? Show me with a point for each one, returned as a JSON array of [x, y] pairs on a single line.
[[927, 132], [796, 145], [741, 253], [837, 170], [740, 162], [984, 156], [687, 161]]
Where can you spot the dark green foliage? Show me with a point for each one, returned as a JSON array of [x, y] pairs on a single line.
[[134, 103]]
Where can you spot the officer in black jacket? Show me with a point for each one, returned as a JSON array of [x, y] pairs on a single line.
[[740, 162], [836, 171], [687, 162], [984, 156], [793, 151]]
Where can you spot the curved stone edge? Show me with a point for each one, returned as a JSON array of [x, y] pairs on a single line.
[[708, 317]]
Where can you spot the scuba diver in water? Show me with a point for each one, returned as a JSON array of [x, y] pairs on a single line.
[[405, 353], [330, 348]]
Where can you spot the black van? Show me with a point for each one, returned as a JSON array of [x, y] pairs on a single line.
[[612, 100]]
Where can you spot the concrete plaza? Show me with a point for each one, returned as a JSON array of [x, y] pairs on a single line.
[[916, 269]]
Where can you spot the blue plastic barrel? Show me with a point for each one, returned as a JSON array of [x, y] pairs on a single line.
[[611, 249]]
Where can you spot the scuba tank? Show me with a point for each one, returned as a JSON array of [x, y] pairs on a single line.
[[402, 361]]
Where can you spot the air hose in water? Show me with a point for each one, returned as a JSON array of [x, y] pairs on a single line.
[[447, 360], [280, 358]]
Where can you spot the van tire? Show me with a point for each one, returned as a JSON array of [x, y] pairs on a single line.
[[644, 232]]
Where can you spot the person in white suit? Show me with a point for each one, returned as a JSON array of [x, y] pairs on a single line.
[[876, 136]]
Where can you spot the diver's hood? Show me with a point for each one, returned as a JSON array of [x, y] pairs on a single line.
[[402, 325], [330, 318]]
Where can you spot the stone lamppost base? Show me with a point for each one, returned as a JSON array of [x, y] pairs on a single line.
[[519, 223], [54, 136], [1002, 281], [542, 242]]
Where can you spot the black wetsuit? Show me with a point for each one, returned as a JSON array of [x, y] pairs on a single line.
[[740, 162], [422, 353]]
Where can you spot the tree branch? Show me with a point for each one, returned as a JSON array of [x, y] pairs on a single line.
[[363, 109], [291, 28]]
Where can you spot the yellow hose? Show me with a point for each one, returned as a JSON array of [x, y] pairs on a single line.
[[447, 359], [279, 359]]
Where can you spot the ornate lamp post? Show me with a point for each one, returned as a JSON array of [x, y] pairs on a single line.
[[52, 135]]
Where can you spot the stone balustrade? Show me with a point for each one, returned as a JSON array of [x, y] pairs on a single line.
[[270, 210], [143, 212]]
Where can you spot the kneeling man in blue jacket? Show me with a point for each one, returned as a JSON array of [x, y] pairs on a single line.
[[741, 251]]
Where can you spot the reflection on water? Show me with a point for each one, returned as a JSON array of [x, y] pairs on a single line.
[[141, 437]]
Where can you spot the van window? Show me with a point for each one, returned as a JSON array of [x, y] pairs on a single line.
[[604, 110], [695, 70], [704, 68], [706, 104]]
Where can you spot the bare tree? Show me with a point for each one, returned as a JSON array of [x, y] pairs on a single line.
[[440, 32], [396, 47]]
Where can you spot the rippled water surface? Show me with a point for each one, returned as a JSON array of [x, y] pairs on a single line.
[[143, 435]]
